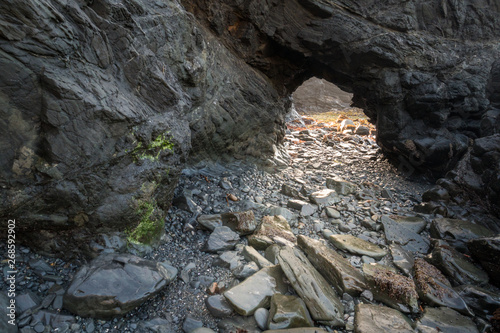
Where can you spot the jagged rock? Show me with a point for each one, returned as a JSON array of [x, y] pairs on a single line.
[[256, 291], [487, 252], [290, 191], [322, 302], [408, 239], [482, 301], [288, 312], [228, 259], [335, 268], [221, 239], [324, 197], [218, 306], [305, 208], [356, 245], [370, 318], [112, 285], [456, 266], [402, 259], [271, 227], [434, 289], [341, 186], [457, 232], [446, 320], [250, 254], [397, 291], [244, 271], [241, 222], [210, 222]]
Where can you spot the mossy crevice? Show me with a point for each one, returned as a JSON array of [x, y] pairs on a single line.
[[152, 151], [150, 226]]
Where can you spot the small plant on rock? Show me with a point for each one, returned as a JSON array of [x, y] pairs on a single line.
[[150, 225]]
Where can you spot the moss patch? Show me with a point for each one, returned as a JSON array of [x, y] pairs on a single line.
[[153, 150], [150, 225]]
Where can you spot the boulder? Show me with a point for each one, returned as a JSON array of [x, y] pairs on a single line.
[[341, 186], [114, 284], [336, 269], [323, 304]]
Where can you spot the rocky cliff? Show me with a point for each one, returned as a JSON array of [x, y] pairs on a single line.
[[102, 101]]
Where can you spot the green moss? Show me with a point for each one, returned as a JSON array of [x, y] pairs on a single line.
[[150, 225], [153, 150]]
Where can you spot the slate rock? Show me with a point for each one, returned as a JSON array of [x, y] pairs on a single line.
[[288, 312], [446, 320], [487, 252], [272, 253], [271, 227], [26, 301], [357, 245], [323, 304], [256, 291], [482, 301], [228, 259], [299, 330], [218, 306], [459, 268], [155, 325], [303, 207], [402, 259], [112, 285], [238, 324], [407, 238], [221, 239], [332, 212], [244, 271], [414, 223], [210, 222], [336, 269], [370, 318], [7, 315], [394, 290], [434, 289], [341, 186], [324, 197], [191, 323], [241, 222], [457, 232], [261, 316], [290, 191], [286, 213], [251, 254]]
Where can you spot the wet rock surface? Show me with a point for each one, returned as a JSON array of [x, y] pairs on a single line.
[[203, 278]]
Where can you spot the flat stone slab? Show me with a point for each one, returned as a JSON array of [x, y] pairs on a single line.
[[447, 320], [256, 291], [408, 239], [221, 239], [336, 269], [402, 259], [303, 207], [341, 186], [112, 285], [356, 245], [434, 289], [414, 223], [324, 197], [270, 228], [480, 300], [323, 304], [458, 232], [288, 312], [394, 290], [251, 254], [370, 318], [209, 222]]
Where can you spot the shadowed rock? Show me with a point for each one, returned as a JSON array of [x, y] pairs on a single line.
[[447, 321], [457, 232], [487, 252], [408, 239]]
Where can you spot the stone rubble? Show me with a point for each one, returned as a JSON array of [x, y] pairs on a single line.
[[336, 235]]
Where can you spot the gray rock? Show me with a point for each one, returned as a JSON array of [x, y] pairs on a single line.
[[221, 239], [459, 268], [241, 222], [380, 319], [261, 316], [447, 321], [155, 325], [244, 271], [288, 312], [202, 330], [324, 197], [305, 208], [402, 259], [332, 212], [290, 191], [414, 223], [335, 268], [408, 239], [228, 259], [8, 319], [168, 272], [434, 289], [191, 323], [256, 291], [298, 330], [238, 324], [251, 254], [457, 232], [272, 253], [286, 213], [112, 285], [341, 186], [26, 301], [487, 252], [210, 222], [394, 290], [482, 301], [356, 245], [218, 306], [322, 302], [271, 227]]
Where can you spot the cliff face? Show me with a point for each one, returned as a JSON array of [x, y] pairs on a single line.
[[94, 93]]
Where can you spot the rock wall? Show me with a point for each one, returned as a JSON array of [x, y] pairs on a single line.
[[101, 103]]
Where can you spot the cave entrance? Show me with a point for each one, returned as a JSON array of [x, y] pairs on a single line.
[[321, 102]]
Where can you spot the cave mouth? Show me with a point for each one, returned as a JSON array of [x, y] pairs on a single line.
[[325, 103]]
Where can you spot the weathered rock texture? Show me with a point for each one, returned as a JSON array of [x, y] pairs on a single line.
[[92, 93]]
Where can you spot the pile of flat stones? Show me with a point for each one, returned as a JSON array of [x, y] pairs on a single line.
[[336, 241]]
